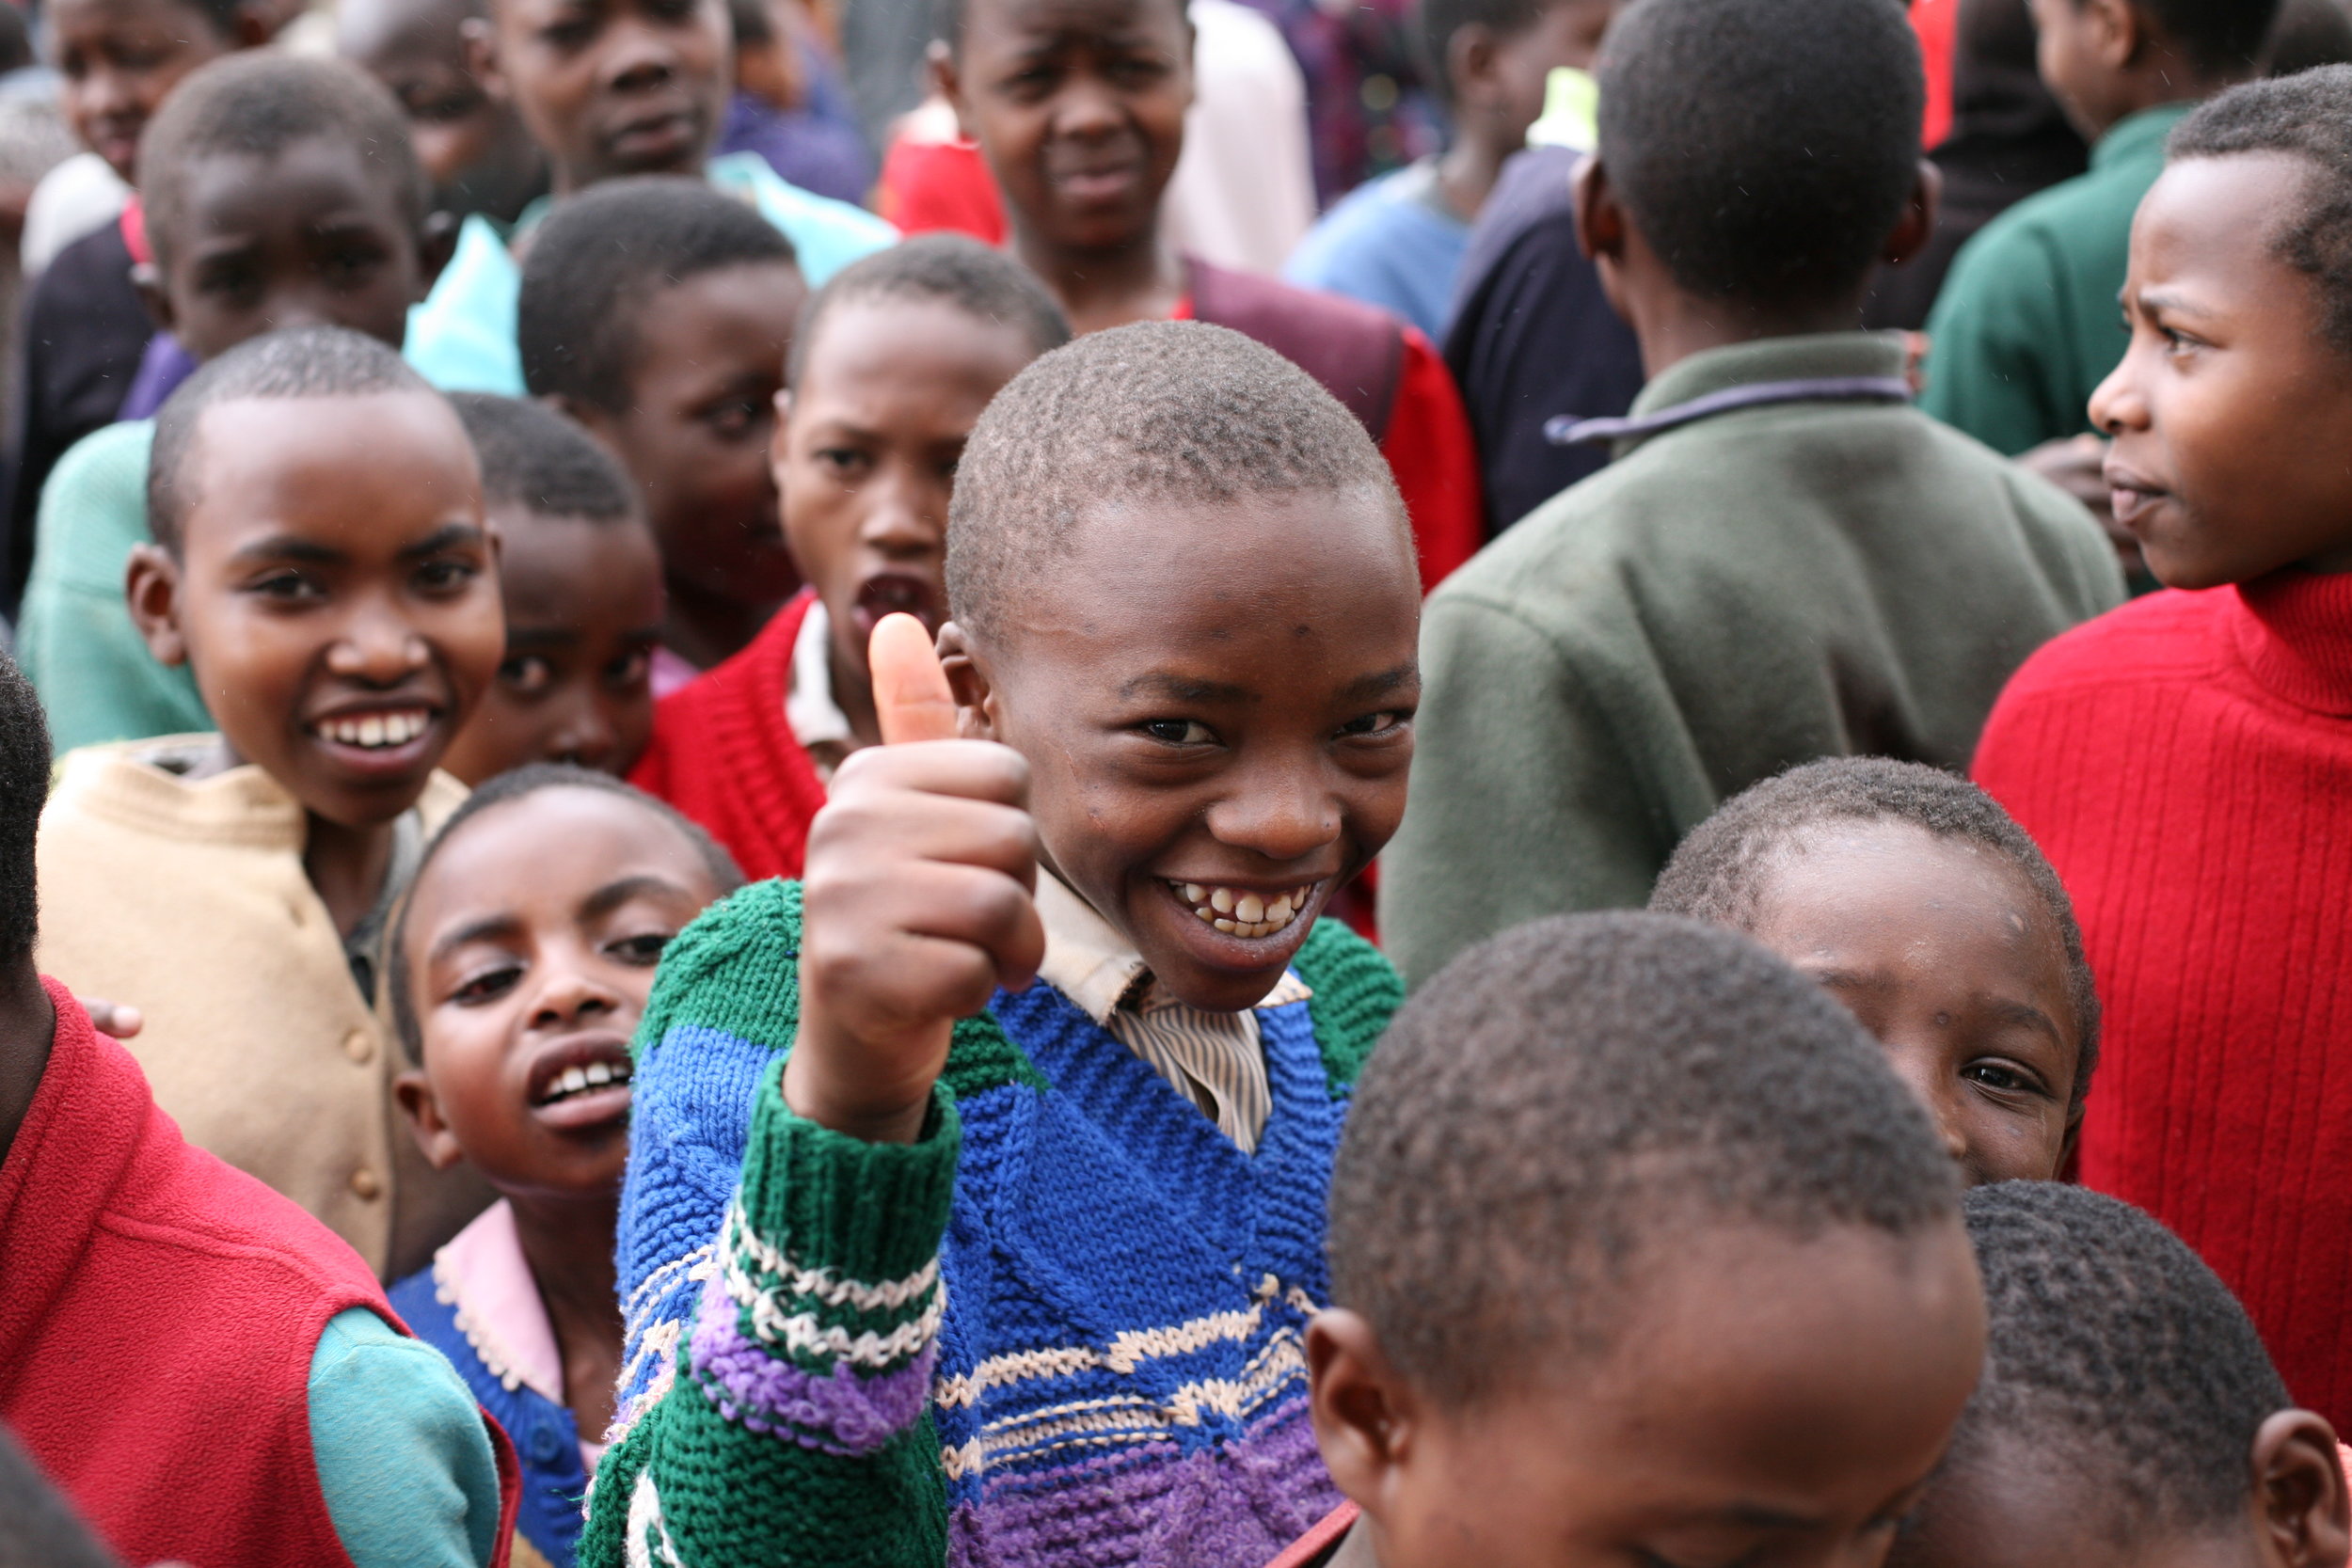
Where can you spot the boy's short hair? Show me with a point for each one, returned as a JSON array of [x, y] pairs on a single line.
[[1718, 873], [1766, 148], [602, 255], [535, 458], [2221, 38], [302, 362], [513, 785], [1155, 411], [24, 759], [2115, 1353], [2306, 118], [257, 104], [951, 269], [1565, 1095]]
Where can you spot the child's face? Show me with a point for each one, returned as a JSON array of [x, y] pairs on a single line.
[[1566, 34], [1079, 107], [867, 452], [1766, 1401], [2232, 410], [119, 59], [473, 146], [1217, 706], [532, 941], [696, 437], [336, 593], [613, 87], [311, 237], [583, 612], [1943, 951]]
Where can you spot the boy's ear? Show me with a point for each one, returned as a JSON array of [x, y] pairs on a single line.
[[150, 584], [2119, 31], [779, 437], [1603, 229], [2300, 1504], [414, 1093], [1470, 62], [1912, 231], [482, 57], [436, 243], [148, 278], [1364, 1414], [256, 22], [968, 677], [939, 64]]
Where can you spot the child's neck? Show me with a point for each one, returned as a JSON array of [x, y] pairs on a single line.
[[704, 629], [568, 1243], [1140, 279], [347, 866], [1467, 171], [1672, 325]]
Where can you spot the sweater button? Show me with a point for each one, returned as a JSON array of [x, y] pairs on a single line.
[[359, 1046], [546, 1443], [367, 1183]]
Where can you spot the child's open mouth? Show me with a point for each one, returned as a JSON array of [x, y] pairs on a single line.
[[581, 1083], [1240, 913], [373, 731], [580, 1080]]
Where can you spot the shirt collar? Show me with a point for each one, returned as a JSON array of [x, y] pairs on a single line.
[[2138, 137], [809, 710], [1089, 962]]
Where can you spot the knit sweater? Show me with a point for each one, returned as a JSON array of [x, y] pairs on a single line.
[[723, 753], [1736, 594], [1063, 1325], [2186, 763]]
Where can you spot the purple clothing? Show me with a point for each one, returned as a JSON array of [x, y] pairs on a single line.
[[162, 368], [819, 147], [1369, 112]]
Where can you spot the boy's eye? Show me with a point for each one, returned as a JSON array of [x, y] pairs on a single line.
[[735, 419], [486, 984], [446, 576], [571, 33], [643, 947], [2003, 1077], [527, 674], [1379, 723], [1178, 732], [349, 266], [630, 671], [287, 586], [844, 462]]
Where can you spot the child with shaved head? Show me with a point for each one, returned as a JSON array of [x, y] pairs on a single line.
[[977, 1182]]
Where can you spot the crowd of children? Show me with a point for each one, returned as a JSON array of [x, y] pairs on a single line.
[[683, 881]]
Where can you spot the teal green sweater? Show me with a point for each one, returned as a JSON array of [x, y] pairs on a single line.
[[1728, 599]]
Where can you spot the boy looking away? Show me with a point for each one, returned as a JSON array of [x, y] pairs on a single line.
[[2025, 327], [1785, 562], [1398, 241], [1639, 1255], [1101, 1190], [2128, 1417], [321, 561], [474, 147], [2216, 722], [279, 193], [609, 89], [1079, 110]]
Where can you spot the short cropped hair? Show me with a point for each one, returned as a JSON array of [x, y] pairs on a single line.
[[951, 269], [513, 785], [24, 790], [257, 104], [2308, 118], [1766, 148], [1156, 411], [2117, 1355], [1561, 1095], [1718, 873], [535, 458], [2221, 38], [301, 362], [602, 255]]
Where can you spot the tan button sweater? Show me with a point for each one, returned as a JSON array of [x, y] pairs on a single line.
[[188, 900]]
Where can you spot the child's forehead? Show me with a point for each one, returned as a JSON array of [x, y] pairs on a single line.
[[311, 185], [503, 855], [326, 465], [104, 14], [1068, 21]]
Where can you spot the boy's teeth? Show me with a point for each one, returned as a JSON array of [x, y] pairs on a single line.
[[1242, 914], [375, 729], [578, 1080], [573, 1081], [1222, 900]]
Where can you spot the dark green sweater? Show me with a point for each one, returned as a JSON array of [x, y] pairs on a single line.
[[1728, 599]]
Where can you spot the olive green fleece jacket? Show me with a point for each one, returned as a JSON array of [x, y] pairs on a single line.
[[1728, 599]]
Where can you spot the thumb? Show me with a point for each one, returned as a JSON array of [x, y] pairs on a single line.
[[911, 696]]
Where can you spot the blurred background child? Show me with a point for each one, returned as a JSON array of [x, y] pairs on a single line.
[[474, 147], [580, 580], [518, 970]]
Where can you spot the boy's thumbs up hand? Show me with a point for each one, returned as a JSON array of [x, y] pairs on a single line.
[[916, 901]]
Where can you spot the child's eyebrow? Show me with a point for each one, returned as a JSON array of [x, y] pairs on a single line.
[[449, 536], [613, 894], [288, 547], [488, 928], [2030, 1016], [1178, 689], [2153, 302], [1383, 682], [541, 637]]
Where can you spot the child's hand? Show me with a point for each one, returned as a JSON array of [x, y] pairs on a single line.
[[916, 901], [112, 1018]]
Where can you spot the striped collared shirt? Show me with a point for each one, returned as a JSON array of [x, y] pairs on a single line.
[[1214, 1058]]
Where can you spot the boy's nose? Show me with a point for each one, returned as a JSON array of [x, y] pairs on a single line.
[[2116, 406], [570, 994], [640, 57], [1283, 820], [378, 649], [583, 736], [899, 521]]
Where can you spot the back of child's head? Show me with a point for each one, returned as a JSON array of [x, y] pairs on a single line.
[[602, 255], [302, 363], [23, 789], [2222, 38], [536, 460], [1765, 148], [257, 105], [1175, 413], [1566, 1098], [945, 268], [2308, 34], [1723, 871], [2121, 1380], [2308, 118]]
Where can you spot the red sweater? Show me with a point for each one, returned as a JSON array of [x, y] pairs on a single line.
[[722, 753], [158, 1314], [2186, 763]]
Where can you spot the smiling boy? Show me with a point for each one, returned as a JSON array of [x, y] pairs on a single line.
[[322, 565], [2187, 761], [1050, 1279]]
